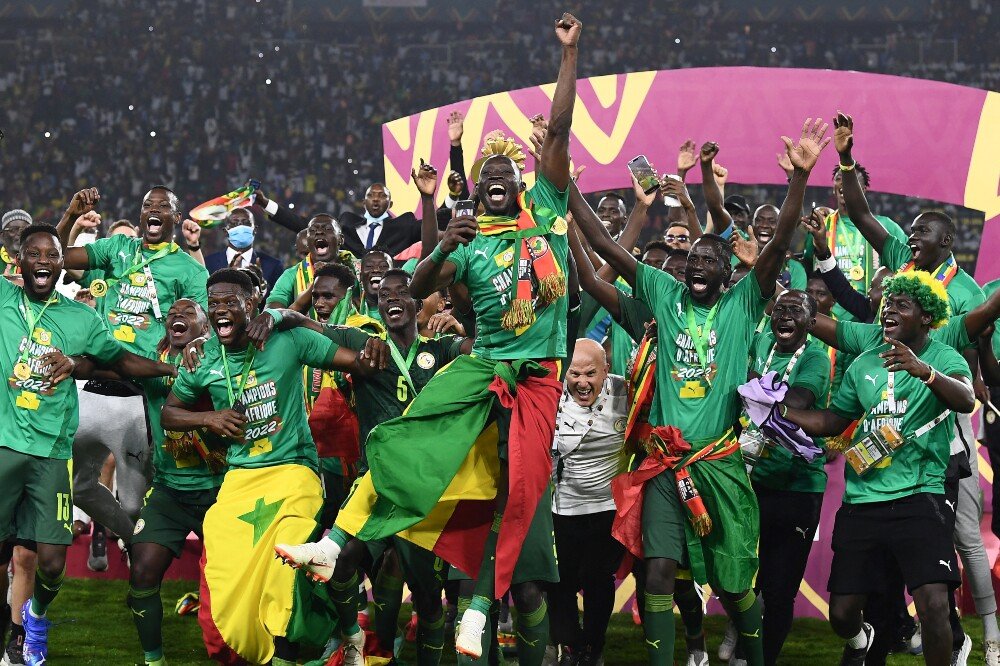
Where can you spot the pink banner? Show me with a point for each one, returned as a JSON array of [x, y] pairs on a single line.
[[919, 138]]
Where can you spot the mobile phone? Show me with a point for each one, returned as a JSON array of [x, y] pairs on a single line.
[[465, 208], [672, 202], [644, 174]]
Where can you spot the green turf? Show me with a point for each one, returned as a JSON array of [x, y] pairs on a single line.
[[93, 626]]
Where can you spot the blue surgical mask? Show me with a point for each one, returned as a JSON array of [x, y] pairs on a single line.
[[241, 237]]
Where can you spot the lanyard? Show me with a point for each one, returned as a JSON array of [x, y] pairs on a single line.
[[404, 366], [31, 321], [701, 334], [791, 362], [244, 374], [890, 392]]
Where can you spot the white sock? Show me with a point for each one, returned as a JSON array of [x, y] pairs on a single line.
[[990, 630], [859, 641], [32, 613]]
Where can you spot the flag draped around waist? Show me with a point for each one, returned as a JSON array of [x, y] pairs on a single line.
[[433, 471]]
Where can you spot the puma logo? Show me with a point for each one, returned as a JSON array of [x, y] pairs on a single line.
[[951, 505], [481, 252], [653, 644], [803, 532], [755, 634], [526, 641], [945, 564], [138, 613], [872, 380], [137, 456], [215, 372]]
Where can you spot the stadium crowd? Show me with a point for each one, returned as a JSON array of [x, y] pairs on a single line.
[[498, 400]]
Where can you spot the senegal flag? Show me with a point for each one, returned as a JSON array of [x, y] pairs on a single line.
[[434, 470], [247, 596]]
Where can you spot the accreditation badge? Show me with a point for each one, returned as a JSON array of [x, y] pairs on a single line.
[[22, 370], [138, 279], [857, 273], [98, 288]]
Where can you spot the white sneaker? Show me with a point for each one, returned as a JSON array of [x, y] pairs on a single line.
[[992, 651], [728, 645], [354, 648], [469, 639], [960, 657], [317, 559], [697, 658]]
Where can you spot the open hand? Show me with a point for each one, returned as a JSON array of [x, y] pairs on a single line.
[[568, 30], [686, 158], [785, 164], [425, 178], [193, 353], [745, 249], [901, 358], [843, 135], [804, 154], [456, 127]]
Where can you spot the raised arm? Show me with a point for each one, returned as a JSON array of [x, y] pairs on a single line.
[[456, 157], [426, 181], [988, 360], [981, 317], [434, 272], [803, 157], [604, 293], [687, 215], [84, 201], [854, 195], [555, 150], [633, 227], [721, 219], [279, 214], [840, 287], [620, 259]]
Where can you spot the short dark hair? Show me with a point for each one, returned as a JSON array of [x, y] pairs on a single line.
[[39, 228], [811, 304], [677, 252], [942, 217], [655, 245], [256, 275], [861, 171], [232, 276], [382, 252], [171, 196], [724, 247], [397, 273], [339, 272]]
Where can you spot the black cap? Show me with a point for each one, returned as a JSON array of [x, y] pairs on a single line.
[[736, 203]]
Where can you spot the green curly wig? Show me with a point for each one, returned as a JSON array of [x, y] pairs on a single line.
[[929, 294]]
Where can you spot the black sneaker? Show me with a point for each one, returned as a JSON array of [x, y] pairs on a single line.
[[98, 559], [856, 656], [4, 618], [13, 655]]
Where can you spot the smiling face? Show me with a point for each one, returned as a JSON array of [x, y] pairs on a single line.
[[929, 239], [678, 237], [373, 267], [397, 307], [791, 319], [185, 322], [586, 374], [11, 237], [498, 186], [707, 270], [765, 221], [323, 237], [158, 216], [377, 200], [228, 312], [903, 319], [611, 210], [821, 294], [327, 294], [41, 262]]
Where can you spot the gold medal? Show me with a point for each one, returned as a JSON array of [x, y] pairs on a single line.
[[98, 288], [559, 227], [22, 370], [138, 279], [857, 273]]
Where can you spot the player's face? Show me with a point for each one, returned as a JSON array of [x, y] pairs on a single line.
[[610, 211], [41, 262], [228, 311], [819, 291], [903, 318], [764, 224], [302, 244], [584, 379], [655, 257], [373, 267], [838, 189], [498, 186], [327, 294], [740, 218], [738, 274], [158, 217], [324, 238], [397, 307], [185, 322], [791, 319], [706, 270], [377, 200], [927, 237], [11, 237], [676, 265]]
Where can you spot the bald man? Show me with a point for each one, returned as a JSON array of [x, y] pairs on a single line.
[[586, 450]]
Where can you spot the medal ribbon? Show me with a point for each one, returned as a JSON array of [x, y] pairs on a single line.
[[244, 374], [791, 362], [700, 335], [404, 366], [943, 274], [31, 321]]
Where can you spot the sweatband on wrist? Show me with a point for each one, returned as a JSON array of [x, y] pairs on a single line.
[[275, 314], [848, 167], [271, 208], [438, 255]]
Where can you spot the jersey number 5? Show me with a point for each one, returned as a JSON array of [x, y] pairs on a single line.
[[402, 390]]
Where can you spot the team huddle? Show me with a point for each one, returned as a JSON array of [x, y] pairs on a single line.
[[525, 407]]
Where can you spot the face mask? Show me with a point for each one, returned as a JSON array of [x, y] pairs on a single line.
[[241, 237], [85, 239]]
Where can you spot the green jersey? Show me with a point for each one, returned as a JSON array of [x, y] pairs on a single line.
[[188, 472], [701, 353], [40, 417], [919, 465], [142, 284], [485, 267], [964, 293], [387, 393], [988, 290], [277, 430], [299, 277], [776, 467], [793, 275], [855, 257], [634, 316], [854, 337], [622, 345]]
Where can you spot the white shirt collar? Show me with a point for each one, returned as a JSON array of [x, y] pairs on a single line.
[[247, 258]]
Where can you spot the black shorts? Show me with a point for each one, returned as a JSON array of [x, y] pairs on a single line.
[[915, 532]]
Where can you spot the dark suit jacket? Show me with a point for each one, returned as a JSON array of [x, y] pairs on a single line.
[[271, 267], [398, 233]]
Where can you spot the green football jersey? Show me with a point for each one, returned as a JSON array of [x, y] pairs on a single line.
[[40, 417], [988, 290], [964, 293], [854, 337]]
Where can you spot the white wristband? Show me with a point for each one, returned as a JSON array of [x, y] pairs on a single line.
[[826, 265], [271, 208]]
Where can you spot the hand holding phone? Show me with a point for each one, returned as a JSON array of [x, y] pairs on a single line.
[[465, 208], [644, 174]]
